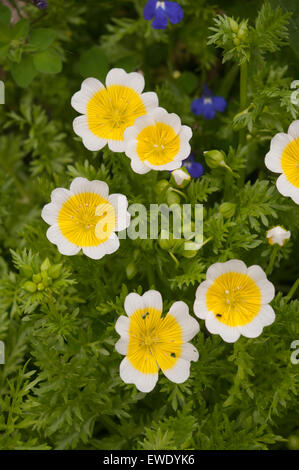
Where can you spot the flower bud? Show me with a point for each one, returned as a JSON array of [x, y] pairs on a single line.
[[45, 264], [181, 177], [227, 209], [172, 197], [29, 286], [215, 158], [37, 277], [40, 286], [161, 186], [55, 270], [26, 271], [278, 235], [131, 270], [190, 249]]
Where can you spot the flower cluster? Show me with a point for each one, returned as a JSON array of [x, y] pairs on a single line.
[[234, 299]]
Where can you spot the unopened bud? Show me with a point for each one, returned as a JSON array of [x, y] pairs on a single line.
[[227, 209], [29, 286]]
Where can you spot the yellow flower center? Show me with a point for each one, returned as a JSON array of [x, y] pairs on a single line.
[[234, 298], [84, 214], [153, 340], [290, 162], [158, 144], [111, 110]]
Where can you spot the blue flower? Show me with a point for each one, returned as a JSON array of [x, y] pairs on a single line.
[[160, 11], [195, 169], [41, 4], [208, 104]]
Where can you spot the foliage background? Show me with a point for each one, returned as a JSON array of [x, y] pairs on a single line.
[[60, 386]]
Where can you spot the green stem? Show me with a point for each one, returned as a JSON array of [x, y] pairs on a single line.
[[272, 259], [243, 101], [292, 290]]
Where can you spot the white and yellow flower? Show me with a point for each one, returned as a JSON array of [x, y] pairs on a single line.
[[278, 235], [283, 158], [108, 111], [150, 341], [234, 300], [157, 141], [86, 217]]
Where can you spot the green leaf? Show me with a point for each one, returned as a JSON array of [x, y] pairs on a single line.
[[5, 14], [47, 62], [93, 63], [5, 34], [41, 38], [24, 72], [3, 52], [20, 29]]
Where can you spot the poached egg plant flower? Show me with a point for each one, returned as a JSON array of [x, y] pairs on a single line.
[[157, 141], [234, 300], [278, 235], [283, 158], [150, 340], [108, 111], [86, 217]]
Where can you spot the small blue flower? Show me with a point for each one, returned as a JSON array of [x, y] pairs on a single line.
[[208, 104], [41, 4], [160, 11], [195, 169]]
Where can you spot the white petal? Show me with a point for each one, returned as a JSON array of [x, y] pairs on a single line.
[[150, 100], [190, 327], [293, 130], [59, 196], [256, 273], [89, 87], [186, 133], [131, 149], [50, 214], [122, 345], [95, 252], [122, 326], [116, 145], [83, 185], [265, 317], [174, 165], [144, 382], [139, 167], [287, 189], [233, 265], [267, 291], [153, 298], [279, 142], [91, 141], [112, 244], [65, 247], [227, 333], [179, 373], [133, 302], [135, 81], [273, 161], [189, 352], [120, 204], [116, 77]]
